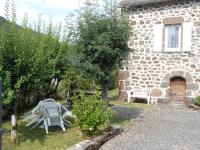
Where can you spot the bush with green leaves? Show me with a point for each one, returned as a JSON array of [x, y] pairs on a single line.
[[197, 101], [91, 112], [30, 58]]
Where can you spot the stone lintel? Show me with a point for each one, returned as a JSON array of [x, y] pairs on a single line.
[[173, 20]]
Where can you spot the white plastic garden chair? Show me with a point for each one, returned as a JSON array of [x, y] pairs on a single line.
[[48, 113], [52, 115]]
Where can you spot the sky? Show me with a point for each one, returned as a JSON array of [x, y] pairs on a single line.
[[55, 10]]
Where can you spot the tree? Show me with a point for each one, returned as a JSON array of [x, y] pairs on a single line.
[[102, 42], [29, 60]]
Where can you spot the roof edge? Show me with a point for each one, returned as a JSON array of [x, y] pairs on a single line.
[[140, 2]]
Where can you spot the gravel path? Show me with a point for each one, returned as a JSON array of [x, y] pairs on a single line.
[[165, 127]]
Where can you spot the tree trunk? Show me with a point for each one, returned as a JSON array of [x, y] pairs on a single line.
[[104, 91], [56, 87]]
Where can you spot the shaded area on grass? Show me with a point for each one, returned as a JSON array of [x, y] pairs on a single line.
[[123, 115], [130, 105], [37, 139], [124, 112]]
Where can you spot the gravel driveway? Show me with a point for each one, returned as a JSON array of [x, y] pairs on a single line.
[[165, 127]]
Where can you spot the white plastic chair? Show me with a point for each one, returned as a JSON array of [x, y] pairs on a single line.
[[48, 113], [52, 115]]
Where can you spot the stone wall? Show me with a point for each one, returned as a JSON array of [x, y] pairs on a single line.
[[153, 70]]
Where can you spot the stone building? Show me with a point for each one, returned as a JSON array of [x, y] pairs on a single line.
[[165, 49]]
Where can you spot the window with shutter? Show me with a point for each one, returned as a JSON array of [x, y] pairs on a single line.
[[172, 38], [174, 35], [178, 37]]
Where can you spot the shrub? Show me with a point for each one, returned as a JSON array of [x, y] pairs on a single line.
[[197, 101], [72, 80], [91, 112]]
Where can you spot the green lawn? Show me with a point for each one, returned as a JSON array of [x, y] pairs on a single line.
[[126, 120], [130, 105], [122, 122], [37, 139], [113, 101]]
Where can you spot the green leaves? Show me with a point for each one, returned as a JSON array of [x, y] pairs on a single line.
[[197, 101], [91, 113], [8, 93], [103, 38], [29, 60]]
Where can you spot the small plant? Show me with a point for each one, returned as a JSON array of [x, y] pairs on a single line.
[[197, 101], [91, 112]]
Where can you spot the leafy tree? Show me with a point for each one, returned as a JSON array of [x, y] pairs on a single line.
[[29, 60], [102, 42]]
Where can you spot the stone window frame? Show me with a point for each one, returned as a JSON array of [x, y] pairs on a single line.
[[173, 21]]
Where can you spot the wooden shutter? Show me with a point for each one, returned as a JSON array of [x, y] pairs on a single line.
[[187, 37], [158, 37]]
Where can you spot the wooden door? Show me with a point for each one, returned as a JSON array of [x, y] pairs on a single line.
[[177, 89]]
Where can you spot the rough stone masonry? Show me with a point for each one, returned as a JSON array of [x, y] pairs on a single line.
[[151, 69]]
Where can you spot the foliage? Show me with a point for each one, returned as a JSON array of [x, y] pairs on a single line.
[[71, 81], [102, 42], [114, 80], [197, 101], [29, 59], [91, 113], [33, 58]]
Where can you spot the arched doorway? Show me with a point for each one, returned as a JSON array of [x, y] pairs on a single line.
[[177, 89]]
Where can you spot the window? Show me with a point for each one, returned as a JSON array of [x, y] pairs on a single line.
[[172, 37]]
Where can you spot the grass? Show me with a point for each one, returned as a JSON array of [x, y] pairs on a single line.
[[122, 122], [113, 95], [37, 139], [113, 101], [131, 105]]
